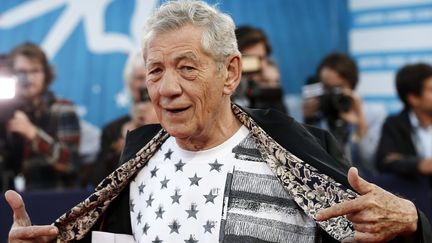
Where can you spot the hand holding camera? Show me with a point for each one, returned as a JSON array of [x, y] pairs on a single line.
[[21, 124]]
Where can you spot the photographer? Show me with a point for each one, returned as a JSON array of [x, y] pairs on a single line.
[[141, 113], [259, 87], [336, 106], [47, 125], [8, 104]]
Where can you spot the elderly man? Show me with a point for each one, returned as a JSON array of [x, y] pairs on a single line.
[[215, 172]]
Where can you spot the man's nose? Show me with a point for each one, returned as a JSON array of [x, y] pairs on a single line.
[[170, 85]]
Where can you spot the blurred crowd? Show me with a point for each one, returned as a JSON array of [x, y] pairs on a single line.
[[40, 133]]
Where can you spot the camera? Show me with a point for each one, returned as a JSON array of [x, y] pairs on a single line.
[[334, 101], [143, 95], [9, 95]]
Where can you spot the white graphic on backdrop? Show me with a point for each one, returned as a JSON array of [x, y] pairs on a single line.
[[384, 36], [91, 13]]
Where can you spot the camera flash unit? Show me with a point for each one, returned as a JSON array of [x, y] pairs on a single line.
[[7, 87]]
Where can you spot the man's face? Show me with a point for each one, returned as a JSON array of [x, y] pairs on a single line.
[[331, 78], [184, 83], [138, 82], [32, 71], [425, 99]]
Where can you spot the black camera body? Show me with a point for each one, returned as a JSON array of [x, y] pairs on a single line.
[[334, 101]]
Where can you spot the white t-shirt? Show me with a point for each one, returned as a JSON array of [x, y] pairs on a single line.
[[185, 196]]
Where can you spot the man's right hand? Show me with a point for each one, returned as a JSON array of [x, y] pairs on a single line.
[[22, 230]]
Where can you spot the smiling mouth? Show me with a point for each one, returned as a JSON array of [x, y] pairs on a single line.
[[177, 110]]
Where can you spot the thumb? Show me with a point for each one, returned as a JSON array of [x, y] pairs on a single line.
[[16, 202], [358, 183]]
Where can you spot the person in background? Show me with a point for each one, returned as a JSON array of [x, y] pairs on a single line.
[[212, 171], [10, 163], [341, 110], [260, 86], [48, 125], [113, 133], [405, 147]]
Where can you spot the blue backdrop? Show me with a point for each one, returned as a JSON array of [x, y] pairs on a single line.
[[88, 41]]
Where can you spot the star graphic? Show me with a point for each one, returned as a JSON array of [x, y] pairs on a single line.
[[141, 188], [159, 212], [168, 154], [145, 228], [164, 183], [192, 211], [191, 240], [208, 226], [194, 180], [157, 240], [210, 197], [179, 166], [131, 205], [139, 217], [153, 172], [174, 226], [150, 200], [176, 197], [215, 166]]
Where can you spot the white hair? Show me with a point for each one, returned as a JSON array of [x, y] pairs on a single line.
[[134, 60], [218, 39]]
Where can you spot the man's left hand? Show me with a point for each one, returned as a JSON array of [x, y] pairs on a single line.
[[377, 215]]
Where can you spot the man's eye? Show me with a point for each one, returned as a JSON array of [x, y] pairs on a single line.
[[187, 68], [155, 71]]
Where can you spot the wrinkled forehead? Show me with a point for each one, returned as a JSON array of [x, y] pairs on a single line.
[[190, 30]]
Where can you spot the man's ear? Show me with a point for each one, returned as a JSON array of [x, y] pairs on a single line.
[[233, 77]]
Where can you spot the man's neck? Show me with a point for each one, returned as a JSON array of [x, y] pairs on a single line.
[[425, 120], [212, 136]]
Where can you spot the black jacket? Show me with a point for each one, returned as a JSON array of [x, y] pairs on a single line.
[[310, 144], [396, 137]]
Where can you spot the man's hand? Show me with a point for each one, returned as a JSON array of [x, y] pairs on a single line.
[[377, 215], [22, 230], [355, 115], [21, 124]]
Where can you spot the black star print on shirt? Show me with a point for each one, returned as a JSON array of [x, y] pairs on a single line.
[[192, 211], [131, 205], [215, 166], [157, 240], [191, 240], [145, 228], [164, 183], [153, 172], [179, 166], [159, 212], [208, 226], [168, 154], [194, 180], [141, 188], [176, 197], [174, 226], [210, 197], [150, 200], [139, 217]]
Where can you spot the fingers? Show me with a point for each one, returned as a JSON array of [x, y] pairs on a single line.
[[17, 204], [358, 183], [371, 237], [48, 232], [340, 209]]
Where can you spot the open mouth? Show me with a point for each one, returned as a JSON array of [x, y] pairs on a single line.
[[177, 110]]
